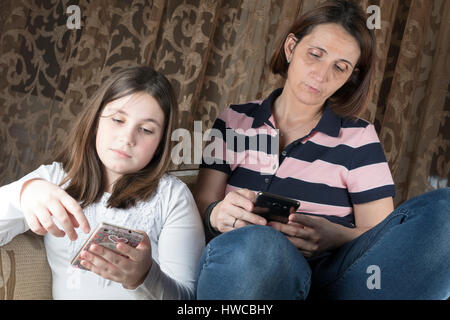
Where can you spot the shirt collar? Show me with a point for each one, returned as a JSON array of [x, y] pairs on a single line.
[[330, 123], [264, 112]]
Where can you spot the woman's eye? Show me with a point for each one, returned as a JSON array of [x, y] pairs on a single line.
[[339, 68], [117, 120], [314, 55]]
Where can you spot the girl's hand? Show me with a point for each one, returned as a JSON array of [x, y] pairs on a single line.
[[313, 235], [235, 211], [130, 269], [41, 200]]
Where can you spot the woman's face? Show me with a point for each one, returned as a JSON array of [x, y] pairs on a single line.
[[320, 63], [128, 134]]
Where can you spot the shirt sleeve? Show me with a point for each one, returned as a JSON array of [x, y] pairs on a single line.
[[12, 220], [180, 246], [369, 177], [215, 152]]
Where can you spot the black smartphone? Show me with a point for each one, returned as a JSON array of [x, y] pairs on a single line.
[[274, 207]]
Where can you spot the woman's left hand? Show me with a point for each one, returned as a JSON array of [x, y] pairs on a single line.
[[129, 269], [313, 235]]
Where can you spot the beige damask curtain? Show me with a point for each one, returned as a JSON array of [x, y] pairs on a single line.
[[215, 52]]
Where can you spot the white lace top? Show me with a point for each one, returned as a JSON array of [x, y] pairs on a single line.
[[170, 218]]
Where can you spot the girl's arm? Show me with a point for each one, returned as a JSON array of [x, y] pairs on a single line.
[[12, 220], [180, 246], [27, 203]]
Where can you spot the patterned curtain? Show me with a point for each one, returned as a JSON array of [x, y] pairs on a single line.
[[215, 52]]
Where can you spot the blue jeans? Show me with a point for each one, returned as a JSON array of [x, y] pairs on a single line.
[[406, 256]]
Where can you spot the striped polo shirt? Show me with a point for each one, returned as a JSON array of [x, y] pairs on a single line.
[[338, 164]]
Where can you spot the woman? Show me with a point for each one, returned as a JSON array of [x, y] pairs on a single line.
[[349, 242]]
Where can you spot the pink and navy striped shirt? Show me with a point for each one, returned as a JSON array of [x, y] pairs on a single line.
[[338, 164]]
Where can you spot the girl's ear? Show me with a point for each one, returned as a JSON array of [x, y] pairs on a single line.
[[160, 148]]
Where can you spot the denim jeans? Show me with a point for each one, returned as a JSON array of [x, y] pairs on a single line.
[[406, 256]]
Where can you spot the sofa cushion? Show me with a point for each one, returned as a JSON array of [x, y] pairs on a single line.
[[24, 270]]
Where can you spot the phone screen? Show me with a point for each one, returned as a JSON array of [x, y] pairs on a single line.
[[275, 207], [108, 236]]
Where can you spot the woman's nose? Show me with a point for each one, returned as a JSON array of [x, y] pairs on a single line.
[[320, 72]]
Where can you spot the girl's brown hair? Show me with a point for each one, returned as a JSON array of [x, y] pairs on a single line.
[[351, 98], [79, 158]]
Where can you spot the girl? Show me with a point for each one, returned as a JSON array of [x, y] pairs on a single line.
[[112, 168]]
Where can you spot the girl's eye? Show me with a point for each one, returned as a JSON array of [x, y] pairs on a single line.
[[117, 120], [314, 55], [146, 131]]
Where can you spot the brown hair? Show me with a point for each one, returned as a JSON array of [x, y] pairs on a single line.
[[351, 98], [79, 158]]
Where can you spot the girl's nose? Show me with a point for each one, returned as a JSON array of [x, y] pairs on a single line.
[[128, 136]]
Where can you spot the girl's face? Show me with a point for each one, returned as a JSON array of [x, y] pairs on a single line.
[[320, 63], [128, 134]]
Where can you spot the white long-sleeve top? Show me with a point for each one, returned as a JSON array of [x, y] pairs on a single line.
[[170, 218]]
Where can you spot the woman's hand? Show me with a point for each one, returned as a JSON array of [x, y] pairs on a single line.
[[313, 235], [41, 200], [235, 211], [129, 268]]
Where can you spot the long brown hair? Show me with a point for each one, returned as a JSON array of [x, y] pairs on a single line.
[[351, 98], [79, 158]]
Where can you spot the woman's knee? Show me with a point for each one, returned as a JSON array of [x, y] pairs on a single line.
[[434, 201], [255, 262], [252, 245], [431, 213]]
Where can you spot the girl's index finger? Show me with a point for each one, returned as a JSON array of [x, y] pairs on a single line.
[[73, 208]]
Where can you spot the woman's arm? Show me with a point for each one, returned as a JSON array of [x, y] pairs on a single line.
[[210, 187], [313, 235], [369, 214], [233, 211]]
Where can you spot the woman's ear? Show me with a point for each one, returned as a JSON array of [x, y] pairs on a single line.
[[289, 46], [354, 76]]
